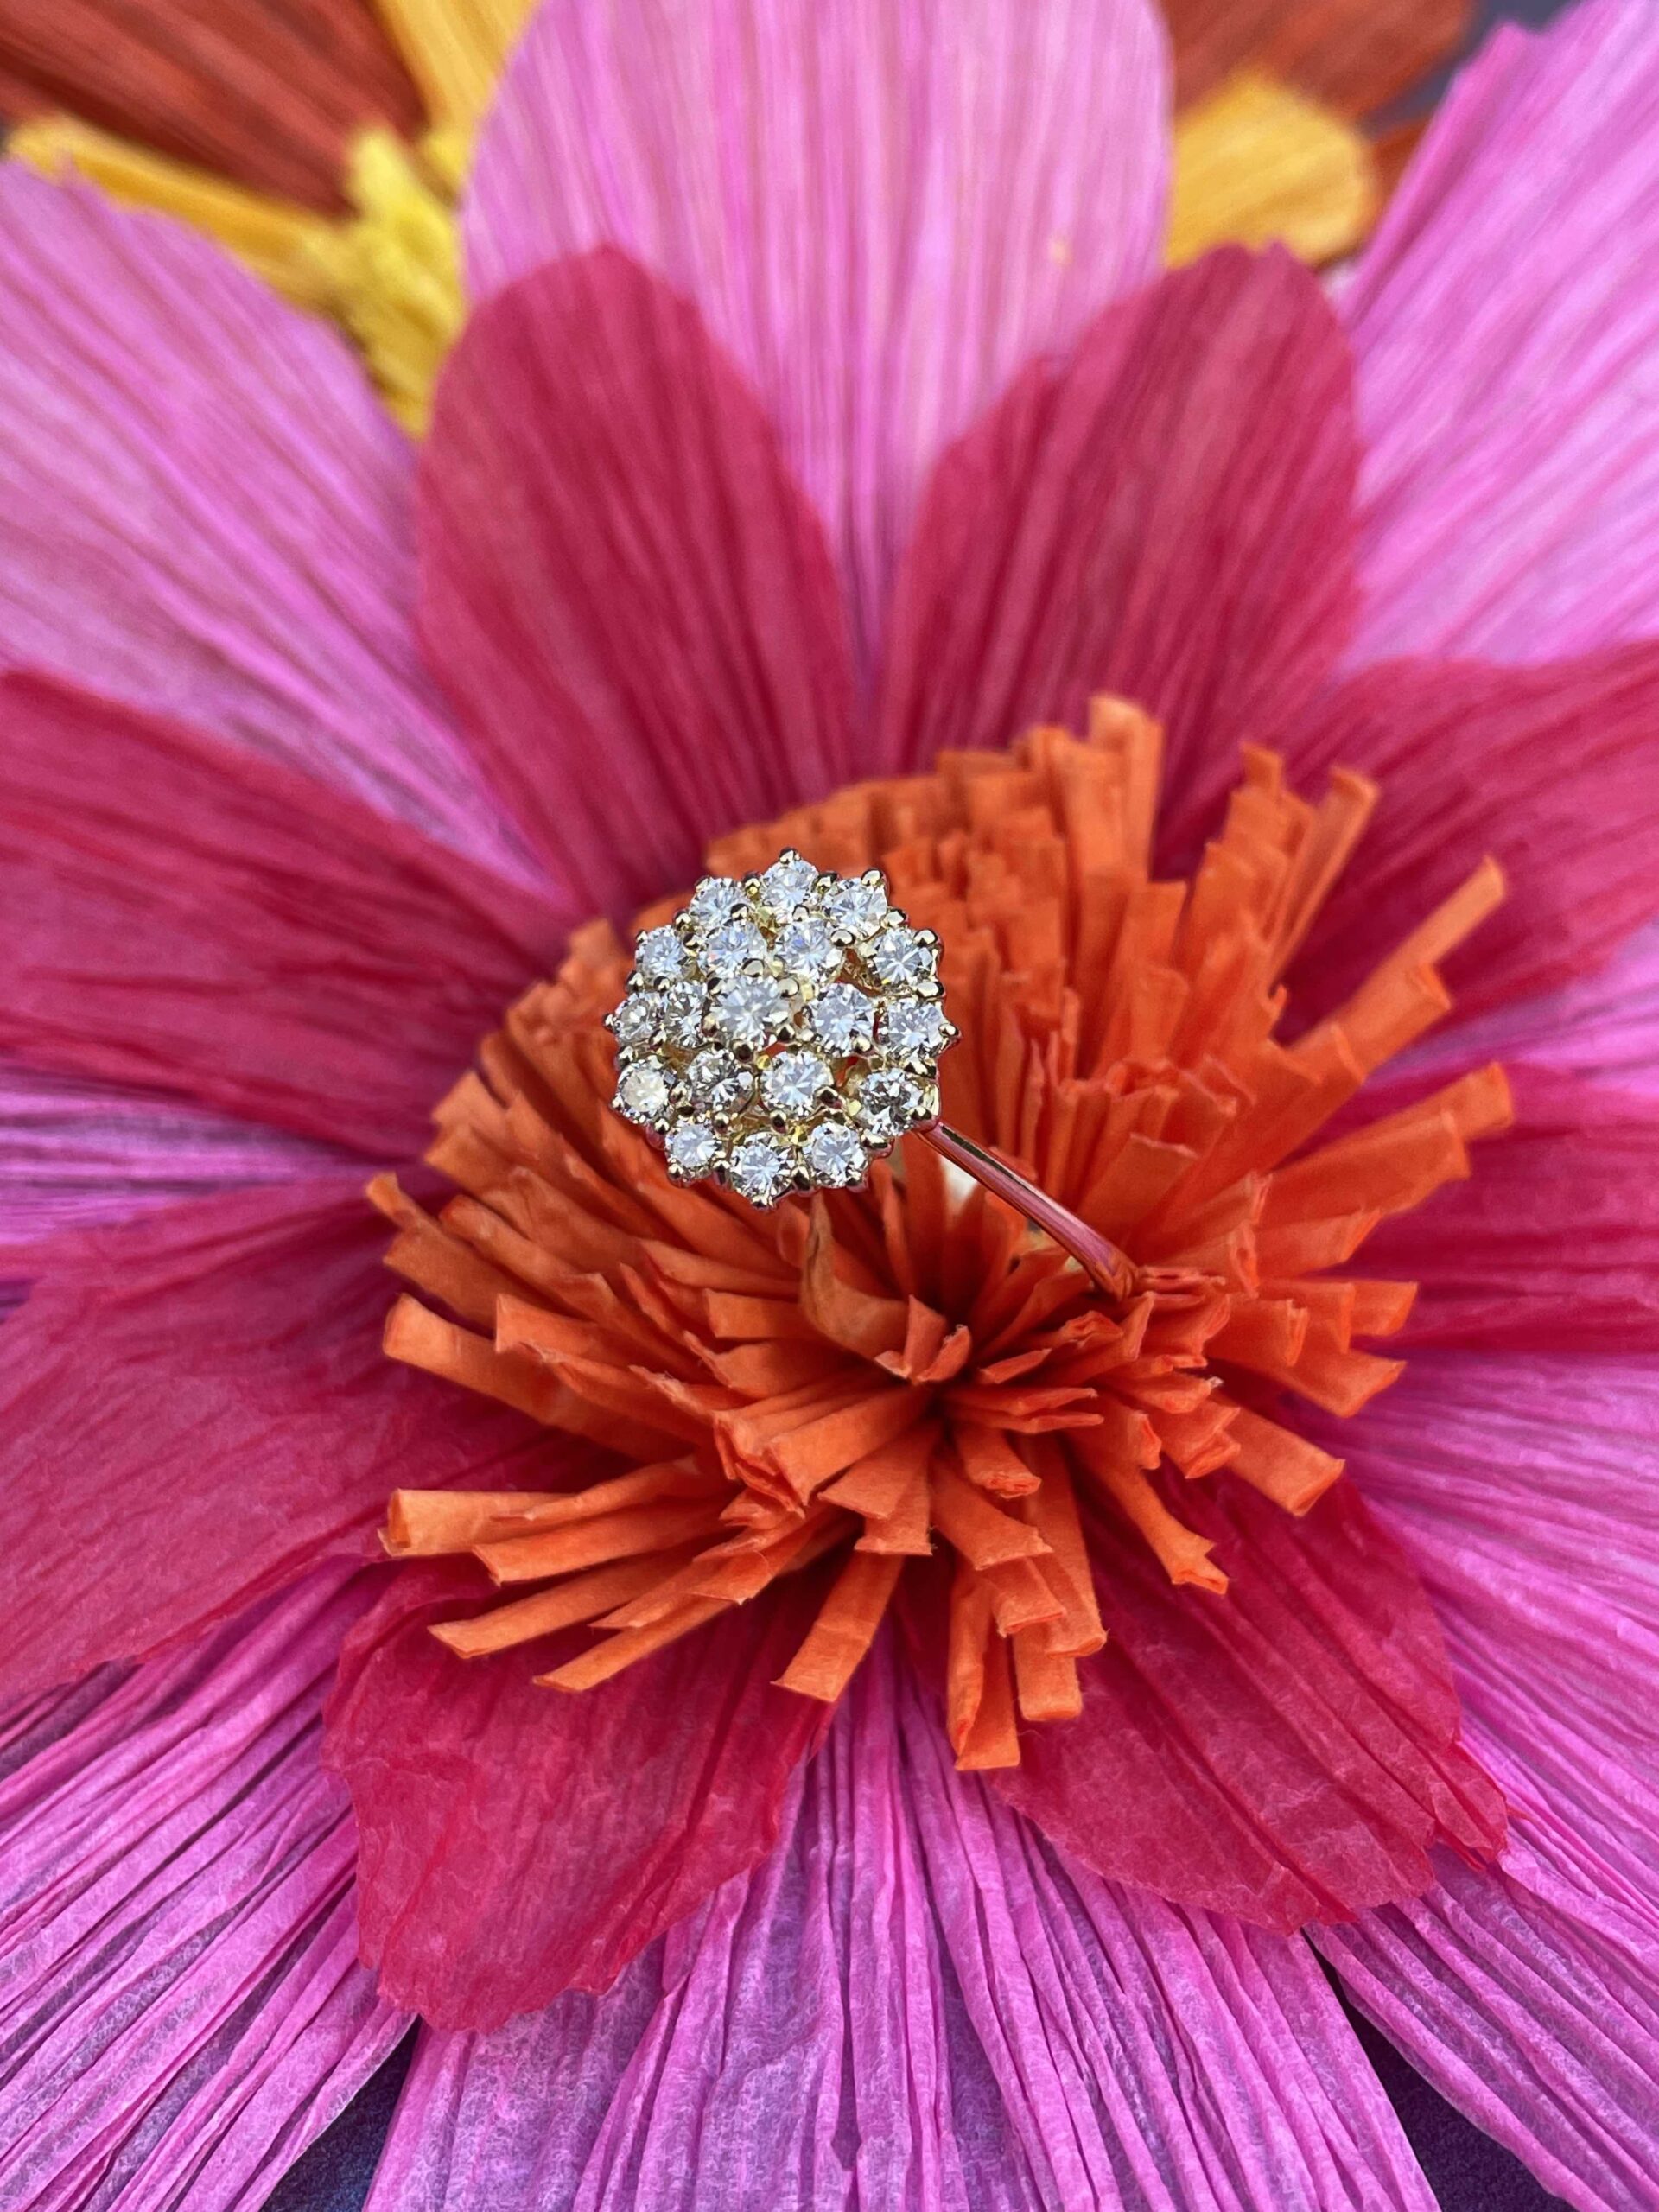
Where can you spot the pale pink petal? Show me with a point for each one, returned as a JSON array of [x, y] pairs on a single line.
[[1506, 328], [914, 2003], [882, 210], [74, 1154], [1605, 1026], [205, 508], [181, 2006], [1528, 1490], [624, 590], [1508, 1993]]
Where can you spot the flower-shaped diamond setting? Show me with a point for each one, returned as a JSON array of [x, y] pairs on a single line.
[[782, 1031]]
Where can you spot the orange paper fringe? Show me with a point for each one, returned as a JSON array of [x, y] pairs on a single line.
[[875, 1374]]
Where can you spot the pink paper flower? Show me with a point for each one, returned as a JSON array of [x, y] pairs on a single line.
[[820, 411]]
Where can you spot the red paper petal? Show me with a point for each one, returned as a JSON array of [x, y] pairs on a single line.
[[184, 916], [1552, 1243], [625, 591], [1554, 770], [518, 1842], [196, 1407], [1165, 515], [270, 95], [1354, 55], [1286, 1752]]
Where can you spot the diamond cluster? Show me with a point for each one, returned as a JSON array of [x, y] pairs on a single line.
[[782, 1031]]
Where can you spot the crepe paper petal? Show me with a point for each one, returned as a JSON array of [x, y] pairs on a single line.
[[1356, 54], [182, 2010], [622, 588], [1505, 323], [204, 510], [1552, 770], [1316, 1694], [912, 2001], [76, 1155], [187, 917], [1510, 1999], [455, 55], [1165, 516], [196, 1407], [592, 1822], [882, 211], [268, 94], [1553, 1244], [1605, 1026], [1527, 1489]]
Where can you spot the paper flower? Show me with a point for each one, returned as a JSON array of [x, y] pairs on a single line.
[[742, 527], [326, 151]]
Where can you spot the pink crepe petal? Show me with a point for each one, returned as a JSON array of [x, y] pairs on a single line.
[[75, 1154], [184, 916], [181, 2007], [913, 2002], [1555, 770], [627, 595], [1286, 1752], [196, 1406], [519, 1841], [882, 211], [1504, 1992], [1605, 1026], [1164, 514], [1527, 1489], [1552, 1243], [205, 510], [1505, 324]]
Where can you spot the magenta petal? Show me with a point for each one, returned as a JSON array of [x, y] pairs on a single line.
[[1552, 1245], [181, 2006], [623, 589], [205, 510], [882, 209], [1505, 324], [1164, 514], [1528, 1492], [913, 2002], [186, 917], [1553, 770], [1287, 1753], [519, 1841], [196, 1407]]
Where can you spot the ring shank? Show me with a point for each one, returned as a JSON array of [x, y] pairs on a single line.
[[1110, 1267]]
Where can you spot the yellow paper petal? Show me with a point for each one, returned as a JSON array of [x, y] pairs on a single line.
[[394, 272], [454, 50], [1256, 162], [279, 242]]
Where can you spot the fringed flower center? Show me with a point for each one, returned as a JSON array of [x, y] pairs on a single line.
[[907, 1380]]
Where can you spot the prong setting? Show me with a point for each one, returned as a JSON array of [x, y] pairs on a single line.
[[782, 1031]]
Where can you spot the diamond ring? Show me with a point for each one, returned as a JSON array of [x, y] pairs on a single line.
[[783, 1031]]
